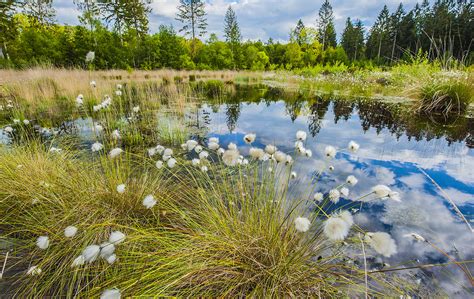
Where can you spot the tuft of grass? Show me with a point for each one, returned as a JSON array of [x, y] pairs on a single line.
[[446, 98]]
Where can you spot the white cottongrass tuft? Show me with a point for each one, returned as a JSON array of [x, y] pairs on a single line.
[[232, 146], [26, 122], [250, 138], [293, 175], [117, 237], [90, 56], [336, 229], [415, 236], [195, 162], [111, 294], [213, 146], [136, 109], [352, 180], [42, 242], [330, 151], [191, 144], [334, 195], [121, 188], [221, 151], [93, 83], [159, 164], [203, 155], [280, 157], [79, 100], [119, 93], [97, 146], [347, 217], [214, 139], [70, 231], [152, 151], [381, 190], [115, 152], [289, 160], [353, 146], [256, 153], [382, 243], [149, 201], [33, 271], [344, 192], [204, 168], [198, 149], [78, 261], [318, 197], [107, 249], [8, 129], [98, 128], [230, 157], [271, 149], [111, 259], [116, 134], [301, 135], [308, 153], [91, 253], [171, 162], [302, 224]]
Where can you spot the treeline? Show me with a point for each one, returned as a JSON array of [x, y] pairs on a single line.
[[117, 31]]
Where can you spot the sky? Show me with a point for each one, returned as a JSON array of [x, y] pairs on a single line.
[[258, 19]]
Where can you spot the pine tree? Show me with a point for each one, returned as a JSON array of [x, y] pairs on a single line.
[[232, 33], [41, 11], [348, 39], [326, 29], [192, 14]]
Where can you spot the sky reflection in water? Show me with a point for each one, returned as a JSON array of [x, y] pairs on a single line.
[[382, 159]]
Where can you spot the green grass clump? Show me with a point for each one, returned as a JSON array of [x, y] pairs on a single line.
[[228, 232], [447, 98]]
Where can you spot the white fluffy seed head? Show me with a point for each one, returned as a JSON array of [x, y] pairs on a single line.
[[336, 229], [301, 135], [115, 152], [171, 162], [159, 164], [250, 138], [344, 192], [195, 162], [293, 175], [91, 253], [353, 146], [381, 190], [347, 217], [203, 155], [256, 153], [232, 146], [70, 231], [106, 250], [318, 197], [97, 146], [42, 242], [111, 259], [78, 261], [149, 201], [121, 188], [415, 236], [352, 180], [280, 157], [334, 195], [111, 294], [270, 149], [213, 146], [116, 237], [330, 151], [230, 157], [302, 224]]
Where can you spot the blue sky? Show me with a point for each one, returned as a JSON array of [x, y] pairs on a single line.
[[258, 19]]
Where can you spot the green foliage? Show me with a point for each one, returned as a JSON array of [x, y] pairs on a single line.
[[447, 98]]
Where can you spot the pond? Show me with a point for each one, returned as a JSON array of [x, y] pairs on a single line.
[[405, 154], [429, 163]]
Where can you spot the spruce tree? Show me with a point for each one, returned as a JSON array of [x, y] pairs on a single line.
[[326, 29], [232, 34]]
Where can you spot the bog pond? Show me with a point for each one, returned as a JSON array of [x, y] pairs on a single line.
[[430, 164]]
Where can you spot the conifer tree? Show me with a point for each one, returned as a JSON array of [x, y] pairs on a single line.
[[326, 29]]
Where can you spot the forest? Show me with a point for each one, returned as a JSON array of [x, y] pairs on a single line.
[[118, 33]]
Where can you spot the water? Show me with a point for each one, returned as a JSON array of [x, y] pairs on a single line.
[[396, 149], [392, 153]]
